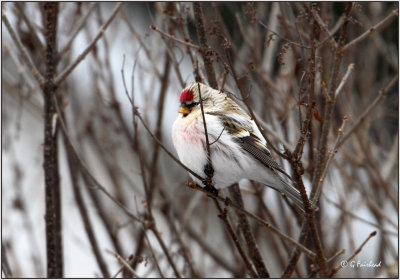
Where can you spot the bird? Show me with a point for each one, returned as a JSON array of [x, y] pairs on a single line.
[[237, 150]]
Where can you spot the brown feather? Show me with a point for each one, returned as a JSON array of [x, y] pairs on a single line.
[[253, 145]]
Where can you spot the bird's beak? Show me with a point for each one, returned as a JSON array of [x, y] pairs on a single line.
[[184, 110]]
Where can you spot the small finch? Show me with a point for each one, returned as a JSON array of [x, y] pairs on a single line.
[[237, 148]]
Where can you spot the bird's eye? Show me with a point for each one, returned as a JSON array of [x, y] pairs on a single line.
[[191, 105]]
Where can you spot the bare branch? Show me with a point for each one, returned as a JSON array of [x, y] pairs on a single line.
[[53, 215], [187, 44], [88, 173], [31, 28], [260, 221], [344, 79], [89, 48], [324, 27], [24, 54], [80, 25], [330, 157], [335, 270], [136, 112], [280, 36], [382, 94], [125, 264], [223, 216], [204, 49], [372, 30], [329, 104], [354, 216], [206, 135], [244, 225]]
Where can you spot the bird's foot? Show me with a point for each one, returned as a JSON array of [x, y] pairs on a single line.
[[211, 189], [208, 170]]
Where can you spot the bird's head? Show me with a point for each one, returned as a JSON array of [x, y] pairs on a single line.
[[190, 98]]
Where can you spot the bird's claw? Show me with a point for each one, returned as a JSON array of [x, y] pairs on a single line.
[[211, 189], [208, 170]]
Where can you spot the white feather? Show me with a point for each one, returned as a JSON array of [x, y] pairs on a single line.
[[230, 162]]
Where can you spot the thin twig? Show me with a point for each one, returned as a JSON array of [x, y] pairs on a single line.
[[298, 152], [208, 184], [89, 48], [337, 254], [88, 173], [379, 42], [184, 249], [170, 44], [382, 94], [31, 29], [372, 30], [156, 147], [272, 132], [206, 247], [296, 24], [310, 215], [153, 253], [142, 44], [76, 31], [5, 266], [136, 113], [187, 44], [330, 157], [21, 69], [344, 79], [83, 211], [149, 190], [24, 54], [124, 263], [376, 209], [219, 136], [252, 115], [205, 130], [335, 270], [235, 239], [329, 105], [244, 225], [201, 34], [295, 256], [165, 250], [374, 169], [354, 216], [260, 221], [224, 75], [186, 37], [332, 32], [147, 238], [280, 36], [324, 26]]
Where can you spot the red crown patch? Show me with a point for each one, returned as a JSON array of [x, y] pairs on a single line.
[[186, 95]]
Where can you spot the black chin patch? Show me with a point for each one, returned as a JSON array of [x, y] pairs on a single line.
[[191, 105]]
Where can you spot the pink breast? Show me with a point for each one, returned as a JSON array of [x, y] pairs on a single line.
[[188, 135], [193, 138]]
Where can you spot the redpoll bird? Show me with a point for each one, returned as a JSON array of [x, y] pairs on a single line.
[[237, 148]]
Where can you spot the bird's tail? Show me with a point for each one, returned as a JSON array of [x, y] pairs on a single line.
[[287, 188], [294, 195]]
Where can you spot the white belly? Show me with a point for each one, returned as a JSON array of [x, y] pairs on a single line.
[[189, 144], [229, 163]]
